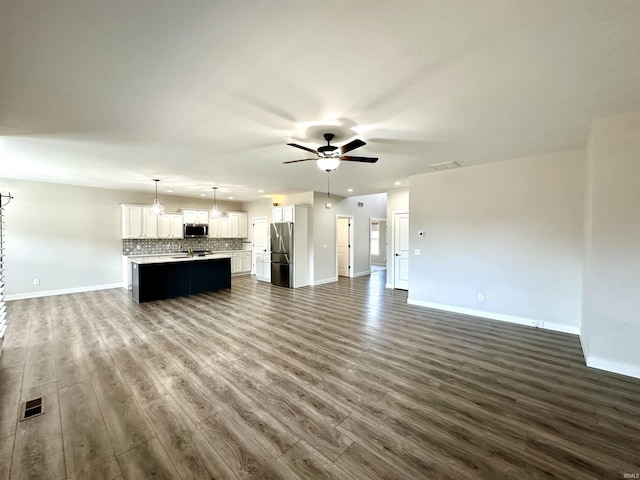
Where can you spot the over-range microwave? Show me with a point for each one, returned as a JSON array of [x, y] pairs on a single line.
[[196, 230]]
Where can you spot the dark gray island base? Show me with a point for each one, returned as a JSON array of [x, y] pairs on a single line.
[[156, 281]]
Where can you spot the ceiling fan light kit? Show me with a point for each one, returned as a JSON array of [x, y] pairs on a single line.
[[328, 164]]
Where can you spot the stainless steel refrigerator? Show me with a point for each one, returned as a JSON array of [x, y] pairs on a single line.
[[282, 254]]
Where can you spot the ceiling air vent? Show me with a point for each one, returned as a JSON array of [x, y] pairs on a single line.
[[444, 165]]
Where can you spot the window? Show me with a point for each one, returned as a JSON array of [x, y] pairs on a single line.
[[375, 239]]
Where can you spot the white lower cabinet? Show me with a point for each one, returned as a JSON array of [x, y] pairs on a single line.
[[241, 262], [263, 267]]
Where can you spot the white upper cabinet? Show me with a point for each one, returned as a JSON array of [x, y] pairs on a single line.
[[238, 224], [170, 226], [195, 216], [219, 227], [284, 213], [139, 222]]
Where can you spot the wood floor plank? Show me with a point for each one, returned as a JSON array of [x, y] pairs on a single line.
[[13, 356], [70, 366], [244, 455], [10, 388], [38, 441], [185, 445], [241, 407], [88, 450], [360, 464], [185, 389], [6, 452], [148, 460], [126, 424], [349, 382], [306, 463]]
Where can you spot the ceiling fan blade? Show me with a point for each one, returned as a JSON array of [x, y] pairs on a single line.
[[303, 160], [357, 143], [359, 159], [303, 148]]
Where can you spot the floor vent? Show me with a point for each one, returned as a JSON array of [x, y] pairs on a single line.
[[32, 408]]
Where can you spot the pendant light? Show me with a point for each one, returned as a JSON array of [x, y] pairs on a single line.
[[156, 208], [215, 211]]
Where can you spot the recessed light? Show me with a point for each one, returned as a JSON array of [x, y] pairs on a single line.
[[397, 183], [230, 198], [260, 191], [169, 191], [349, 189], [203, 194]]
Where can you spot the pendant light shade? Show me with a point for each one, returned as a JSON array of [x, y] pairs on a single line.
[[157, 208], [215, 211]]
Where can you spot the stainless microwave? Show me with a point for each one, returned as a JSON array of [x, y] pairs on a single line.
[[196, 230]]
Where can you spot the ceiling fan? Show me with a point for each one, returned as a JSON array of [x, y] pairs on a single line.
[[329, 156]]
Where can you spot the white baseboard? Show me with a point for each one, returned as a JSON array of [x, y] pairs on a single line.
[[558, 327], [63, 291], [388, 285], [614, 367], [362, 274], [325, 280]]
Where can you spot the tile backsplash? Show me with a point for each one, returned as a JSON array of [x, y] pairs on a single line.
[[153, 246]]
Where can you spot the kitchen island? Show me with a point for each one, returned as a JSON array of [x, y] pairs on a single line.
[[160, 277]]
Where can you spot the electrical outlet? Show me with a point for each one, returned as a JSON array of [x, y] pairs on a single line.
[[36, 281], [417, 251], [481, 297], [138, 246]]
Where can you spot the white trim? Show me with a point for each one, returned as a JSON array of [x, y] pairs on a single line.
[[63, 291], [614, 367], [362, 274], [585, 350], [557, 327], [325, 280], [388, 285]]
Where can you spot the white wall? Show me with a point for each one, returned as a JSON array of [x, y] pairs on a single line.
[[69, 237], [611, 295], [512, 230], [324, 228]]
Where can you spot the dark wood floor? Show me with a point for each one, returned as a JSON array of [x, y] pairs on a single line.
[[340, 381]]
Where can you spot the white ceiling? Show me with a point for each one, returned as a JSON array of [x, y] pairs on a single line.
[[203, 93]]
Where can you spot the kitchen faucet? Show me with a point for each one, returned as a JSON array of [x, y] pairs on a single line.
[[188, 244]]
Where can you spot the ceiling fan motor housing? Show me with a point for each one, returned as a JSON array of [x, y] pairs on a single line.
[[327, 148]]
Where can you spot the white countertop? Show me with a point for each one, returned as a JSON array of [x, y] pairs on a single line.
[[175, 257]]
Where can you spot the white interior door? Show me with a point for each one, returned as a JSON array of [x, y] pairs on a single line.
[[343, 246], [401, 251], [260, 239]]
